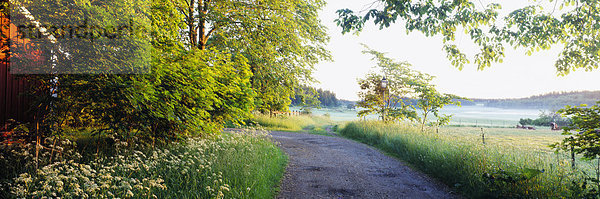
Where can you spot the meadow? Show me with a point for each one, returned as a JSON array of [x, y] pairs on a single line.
[[475, 116]]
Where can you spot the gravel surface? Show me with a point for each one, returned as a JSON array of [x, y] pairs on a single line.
[[334, 167]]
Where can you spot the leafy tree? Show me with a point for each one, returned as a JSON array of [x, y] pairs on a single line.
[[307, 97], [387, 102], [281, 39], [583, 138], [545, 119], [525, 121], [328, 98], [212, 61], [83, 53], [430, 101], [405, 86], [530, 27], [585, 129]]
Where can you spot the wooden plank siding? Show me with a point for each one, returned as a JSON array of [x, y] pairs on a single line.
[[13, 103]]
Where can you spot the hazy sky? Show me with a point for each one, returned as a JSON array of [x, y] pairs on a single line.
[[519, 76]]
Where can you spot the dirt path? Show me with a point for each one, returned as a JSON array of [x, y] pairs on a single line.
[[334, 167]]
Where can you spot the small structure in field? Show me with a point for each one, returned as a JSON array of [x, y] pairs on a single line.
[[525, 127], [554, 126]]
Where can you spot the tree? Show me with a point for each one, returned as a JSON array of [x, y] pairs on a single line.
[[430, 101], [307, 97], [530, 27], [282, 40], [186, 92], [525, 121], [387, 102], [84, 50], [405, 85], [585, 129], [583, 137], [328, 98], [211, 61]]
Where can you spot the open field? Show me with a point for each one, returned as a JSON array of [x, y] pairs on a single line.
[[462, 116], [533, 140]]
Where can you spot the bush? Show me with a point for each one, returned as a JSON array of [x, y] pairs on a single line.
[[546, 120], [190, 93]]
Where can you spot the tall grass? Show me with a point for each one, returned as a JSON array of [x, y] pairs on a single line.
[[290, 123], [474, 169], [232, 165]]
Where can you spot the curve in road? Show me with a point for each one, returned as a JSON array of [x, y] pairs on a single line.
[[334, 167]]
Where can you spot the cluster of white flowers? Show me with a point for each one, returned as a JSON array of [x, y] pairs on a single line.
[[132, 173], [102, 178]]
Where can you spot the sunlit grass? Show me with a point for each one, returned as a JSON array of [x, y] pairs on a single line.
[[538, 140], [507, 166], [291, 123]]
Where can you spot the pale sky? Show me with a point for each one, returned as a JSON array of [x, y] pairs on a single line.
[[519, 76]]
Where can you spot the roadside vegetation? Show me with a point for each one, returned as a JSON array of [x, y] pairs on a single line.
[[310, 123], [244, 164], [477, 170]]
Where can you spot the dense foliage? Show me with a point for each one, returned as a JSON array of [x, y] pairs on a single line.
[[546, 119], [309, 96], [328, 98], [182, 68], [583, 138], [573, 23], [281, 40]]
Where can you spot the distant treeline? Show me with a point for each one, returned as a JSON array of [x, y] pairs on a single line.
[[549, 101], [310, 96]]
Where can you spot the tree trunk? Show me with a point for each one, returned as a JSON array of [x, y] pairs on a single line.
[[203, 34], [423, 122], [190, 23]]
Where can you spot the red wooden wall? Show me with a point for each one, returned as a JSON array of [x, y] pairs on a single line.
[[13, 104]]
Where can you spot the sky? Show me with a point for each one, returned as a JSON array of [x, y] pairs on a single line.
[[517, 77]]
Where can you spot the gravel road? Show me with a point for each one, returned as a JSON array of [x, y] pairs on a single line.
[[334, 167]]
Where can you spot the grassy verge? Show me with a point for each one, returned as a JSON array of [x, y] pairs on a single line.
[[232, 165], [472, 168], [293, 123]]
